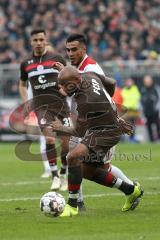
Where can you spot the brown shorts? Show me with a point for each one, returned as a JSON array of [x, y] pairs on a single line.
[[47, 116], [99, 142], [49, 106]]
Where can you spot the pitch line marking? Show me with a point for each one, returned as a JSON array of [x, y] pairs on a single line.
[[48, 181], [86, 196]]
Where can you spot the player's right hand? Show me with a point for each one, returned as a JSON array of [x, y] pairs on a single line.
[[56, 125]]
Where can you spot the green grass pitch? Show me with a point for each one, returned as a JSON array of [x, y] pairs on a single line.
[[21, 188]]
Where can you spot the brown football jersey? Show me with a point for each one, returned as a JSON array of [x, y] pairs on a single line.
[[94, 105], [42, 75]]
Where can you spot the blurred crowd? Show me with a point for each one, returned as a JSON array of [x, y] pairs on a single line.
[[140, 106], [124, 29]]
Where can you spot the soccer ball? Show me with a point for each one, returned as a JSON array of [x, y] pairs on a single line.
[[52, 204]]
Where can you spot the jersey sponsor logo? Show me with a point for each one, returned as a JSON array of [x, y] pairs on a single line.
[[45, 85], [41, 79], [96, 86]]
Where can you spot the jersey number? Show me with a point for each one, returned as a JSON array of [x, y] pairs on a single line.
[[67, 122]]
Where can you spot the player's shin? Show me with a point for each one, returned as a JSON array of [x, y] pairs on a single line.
[[81, 205], [74, 182], [63, 176], [63, 165], [51, 156]]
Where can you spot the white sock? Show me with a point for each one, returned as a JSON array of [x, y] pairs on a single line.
[[118, 183], [45, 163], [54, 168], [119, 174], [80, 195], [63, 166], [43, 153]]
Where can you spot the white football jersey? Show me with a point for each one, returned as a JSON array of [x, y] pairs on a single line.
[[90, 65]]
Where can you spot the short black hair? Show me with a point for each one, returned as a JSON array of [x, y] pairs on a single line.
[[36, 31], [77, 37]]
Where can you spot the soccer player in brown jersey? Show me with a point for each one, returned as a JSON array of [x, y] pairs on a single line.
[[76, 48], [38, 69], [103, 130]]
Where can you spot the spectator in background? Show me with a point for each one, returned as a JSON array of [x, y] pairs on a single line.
[[131, 100], [150, 100]]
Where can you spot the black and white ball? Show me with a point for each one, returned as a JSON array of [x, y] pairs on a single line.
[[52, 204]]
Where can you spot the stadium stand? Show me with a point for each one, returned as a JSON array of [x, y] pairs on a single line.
[[124, 29]]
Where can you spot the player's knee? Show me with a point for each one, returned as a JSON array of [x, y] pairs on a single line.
[[107, 166], [72, 160], [50, 140]]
